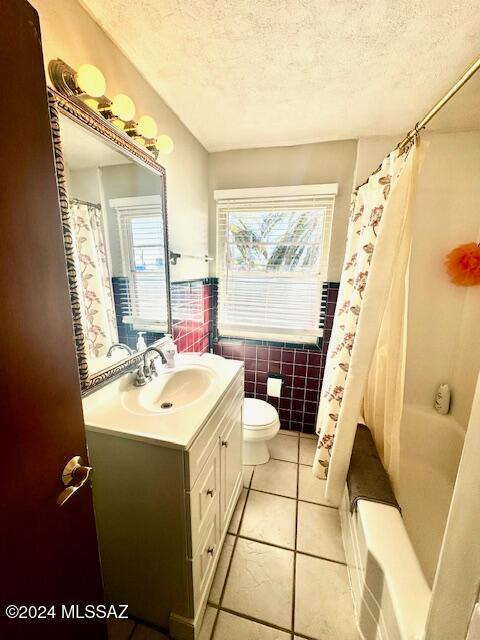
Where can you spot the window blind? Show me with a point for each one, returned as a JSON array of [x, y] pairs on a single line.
[[272, 258], [142, 238]]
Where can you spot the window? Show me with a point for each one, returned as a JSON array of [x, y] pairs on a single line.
[[272, 258], [142, 242]]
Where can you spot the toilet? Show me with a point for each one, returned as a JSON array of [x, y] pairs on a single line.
[[260, 424]]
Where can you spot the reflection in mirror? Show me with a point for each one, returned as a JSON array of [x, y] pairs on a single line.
[[118, 230]]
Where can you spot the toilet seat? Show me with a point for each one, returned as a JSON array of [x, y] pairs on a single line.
[[258, 414]]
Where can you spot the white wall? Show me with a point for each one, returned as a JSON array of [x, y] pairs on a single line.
[[84, 184], [318, 163], [68, 32], [444, 342], [370, 153]]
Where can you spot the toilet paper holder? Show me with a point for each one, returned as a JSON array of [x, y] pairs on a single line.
[[282, 376], [275, 381]]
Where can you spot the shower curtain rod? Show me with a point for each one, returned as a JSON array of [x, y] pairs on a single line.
[[89, 204], [471, 71]]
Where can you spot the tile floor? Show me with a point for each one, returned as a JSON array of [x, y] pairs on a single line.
[[282, 573]]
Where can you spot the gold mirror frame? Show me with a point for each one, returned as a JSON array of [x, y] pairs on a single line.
[[73, 109]]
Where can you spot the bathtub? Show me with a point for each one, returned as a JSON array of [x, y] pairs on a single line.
[[391, 559], [430, 450]]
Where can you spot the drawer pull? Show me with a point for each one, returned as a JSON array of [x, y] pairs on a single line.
[[224, 443], [211, 550], [210, 492]]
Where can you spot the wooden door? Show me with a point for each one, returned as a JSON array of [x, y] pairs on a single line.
[[48, 554]]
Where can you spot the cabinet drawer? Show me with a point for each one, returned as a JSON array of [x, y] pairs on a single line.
[[204, 561], [197, 455], [204, 499]]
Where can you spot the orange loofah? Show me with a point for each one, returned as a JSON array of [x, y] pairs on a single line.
[[463, 264]]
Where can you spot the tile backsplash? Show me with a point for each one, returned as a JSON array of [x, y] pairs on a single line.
[[193, 306]]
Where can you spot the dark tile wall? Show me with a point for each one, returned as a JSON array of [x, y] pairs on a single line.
[[193, 314], [302, 367]]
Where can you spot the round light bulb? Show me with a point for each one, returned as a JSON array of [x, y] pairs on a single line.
[[147, 127], [118, 123], [91, 80], [164, 144], [123, 107]]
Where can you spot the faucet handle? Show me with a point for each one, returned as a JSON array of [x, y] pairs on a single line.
[[153, 367], [147, 370], [141, 377]]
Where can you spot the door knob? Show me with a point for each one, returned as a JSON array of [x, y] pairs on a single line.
[[74, 476]]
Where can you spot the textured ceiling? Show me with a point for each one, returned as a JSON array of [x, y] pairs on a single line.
[[248, 73]]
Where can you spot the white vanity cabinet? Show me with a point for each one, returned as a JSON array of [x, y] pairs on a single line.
[[162, 514]]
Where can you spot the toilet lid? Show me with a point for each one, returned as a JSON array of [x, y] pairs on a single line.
[[258, 413]]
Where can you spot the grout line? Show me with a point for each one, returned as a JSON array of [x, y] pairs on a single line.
[[245, 616], [283, 460], [214, 622], [268, 544], [312, 555], [279, 495], [222, 593], [284, 548], [295, 546], [318, 504], [302, 635]]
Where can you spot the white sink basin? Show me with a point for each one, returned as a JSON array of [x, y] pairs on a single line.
[[172, 390], [170, 409]]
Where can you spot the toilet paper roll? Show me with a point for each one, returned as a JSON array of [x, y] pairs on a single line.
[[274, 386]]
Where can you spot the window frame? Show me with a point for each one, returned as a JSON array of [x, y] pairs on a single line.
[[275, 198], [127, 209]]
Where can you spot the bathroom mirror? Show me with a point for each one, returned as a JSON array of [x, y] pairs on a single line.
[[112, 196]]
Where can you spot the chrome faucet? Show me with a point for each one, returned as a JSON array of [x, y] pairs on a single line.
[[119, 345], [146, 370]]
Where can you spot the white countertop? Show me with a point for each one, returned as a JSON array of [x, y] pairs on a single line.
[[105, 410]]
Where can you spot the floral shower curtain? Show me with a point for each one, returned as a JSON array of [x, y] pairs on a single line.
[[384, 392], [96, 297], [378, 232]]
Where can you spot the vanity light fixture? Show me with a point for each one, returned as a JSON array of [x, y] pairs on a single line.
[[87, 85], [164, 144], [91, 80], [123, 107], [147, 127]]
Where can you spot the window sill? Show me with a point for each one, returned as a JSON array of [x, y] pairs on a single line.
[[145, 325], [304, 346], [268, 336]]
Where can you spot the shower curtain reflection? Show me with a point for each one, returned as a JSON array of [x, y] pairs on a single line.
[[95, 292]]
